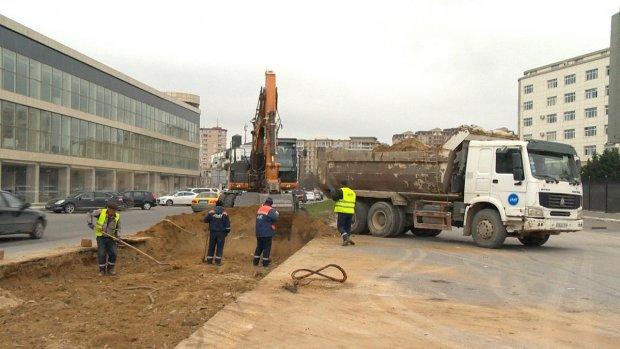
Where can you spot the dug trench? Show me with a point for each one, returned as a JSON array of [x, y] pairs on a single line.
[[67, 305]]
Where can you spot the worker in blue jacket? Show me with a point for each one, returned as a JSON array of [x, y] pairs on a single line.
[[219, 227], [266, 218]]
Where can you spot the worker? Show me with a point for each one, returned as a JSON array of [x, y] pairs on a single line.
[[345, 208], [265, 230], [219, 227], [108, 222]]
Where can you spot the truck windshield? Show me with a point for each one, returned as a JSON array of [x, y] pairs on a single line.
[[553, 166]]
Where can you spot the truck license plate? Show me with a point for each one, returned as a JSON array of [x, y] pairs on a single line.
[[561, 225]]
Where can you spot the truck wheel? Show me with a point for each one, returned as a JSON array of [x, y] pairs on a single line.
[[487, 229], [533, 240], [381, 219], [400, 226], [425, 233], [360, 219]]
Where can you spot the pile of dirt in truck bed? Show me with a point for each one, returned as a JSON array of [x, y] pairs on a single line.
[[407, 144], [479, 131], [146, 305]]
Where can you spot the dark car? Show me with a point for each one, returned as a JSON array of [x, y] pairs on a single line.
[[16, 217], [86, 201], [140, 198]]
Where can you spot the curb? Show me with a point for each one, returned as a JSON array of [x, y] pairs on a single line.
[[602, 219]]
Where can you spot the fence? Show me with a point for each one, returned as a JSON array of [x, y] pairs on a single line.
[[601, 195]]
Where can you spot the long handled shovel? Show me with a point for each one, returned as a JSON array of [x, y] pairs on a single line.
[[134, 248]]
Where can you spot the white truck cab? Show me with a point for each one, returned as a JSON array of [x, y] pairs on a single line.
[[534, 186]]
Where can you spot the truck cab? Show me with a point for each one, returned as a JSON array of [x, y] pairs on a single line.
[[534, 187]]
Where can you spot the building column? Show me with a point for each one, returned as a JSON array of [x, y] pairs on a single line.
[[89, 180], [114, 180], [64, 181], [0, 175], [32, 182]]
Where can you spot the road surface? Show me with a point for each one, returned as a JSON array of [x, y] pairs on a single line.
[[67, 229]]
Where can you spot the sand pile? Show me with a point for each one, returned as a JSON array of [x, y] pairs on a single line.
[[407, 144], [145, 305]]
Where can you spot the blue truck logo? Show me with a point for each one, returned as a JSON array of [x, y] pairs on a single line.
[[513, 199]]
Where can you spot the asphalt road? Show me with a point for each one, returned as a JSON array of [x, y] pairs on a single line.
[[68, 229]]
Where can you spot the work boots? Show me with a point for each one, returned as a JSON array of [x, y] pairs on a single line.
[[111, 271], [346, 240]]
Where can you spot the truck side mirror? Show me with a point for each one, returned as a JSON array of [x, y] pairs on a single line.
[[517, 167]]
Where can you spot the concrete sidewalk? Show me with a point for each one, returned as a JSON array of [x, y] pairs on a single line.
[[421, 293], [601, 216]]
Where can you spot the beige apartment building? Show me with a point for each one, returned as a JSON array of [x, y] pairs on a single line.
[[212, 141], [307, 150], [70, 123], [567, 102]]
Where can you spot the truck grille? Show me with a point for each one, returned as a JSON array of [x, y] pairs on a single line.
[[562, 201]]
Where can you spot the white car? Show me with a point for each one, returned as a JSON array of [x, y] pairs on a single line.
[[178, 198], [310, 196]]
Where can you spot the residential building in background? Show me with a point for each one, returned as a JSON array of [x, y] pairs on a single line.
[[307, 150], [567, 102], [70, 123], [212, 141]]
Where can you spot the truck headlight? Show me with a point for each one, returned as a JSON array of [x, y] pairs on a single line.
[[59, 202], [534, 212]]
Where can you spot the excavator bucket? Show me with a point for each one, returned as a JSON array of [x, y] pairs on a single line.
[[284, 203]]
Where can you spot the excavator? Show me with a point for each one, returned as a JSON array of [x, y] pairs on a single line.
[[263, 175]]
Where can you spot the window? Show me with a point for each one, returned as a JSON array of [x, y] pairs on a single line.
[[527, 122], [591, 93], [569, 115], [11, 200], [551, 101], [589, 150], [21, 79], [591, 74], [8, 70], [528, 89], [569, 97], [590, 131], [569, 134], [528, 105], [527, 137], [553, 83], [551, 136], [552, 118], [569, 79], [607, 69], [590, 112], [606, 110], [605, 129], [503, 160], [89, 195], [8, 125]]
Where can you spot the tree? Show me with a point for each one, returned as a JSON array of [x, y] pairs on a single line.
[[603, 166]]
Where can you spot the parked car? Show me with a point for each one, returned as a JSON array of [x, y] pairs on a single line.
[[204, 200], [140, 198], [318, 195], [310, 196], [178, 198], [203, 190], [16, 217], [299, 196], [86, 201], [122, 203]]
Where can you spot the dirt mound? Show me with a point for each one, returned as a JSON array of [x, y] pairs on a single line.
[[407, 144], [66, 305]]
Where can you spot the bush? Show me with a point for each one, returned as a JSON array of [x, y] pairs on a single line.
[[601, 167]]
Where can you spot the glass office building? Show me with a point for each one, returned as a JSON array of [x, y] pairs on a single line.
[[70, 123]]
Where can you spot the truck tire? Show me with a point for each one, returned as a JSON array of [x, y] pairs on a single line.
[[533, 240], [359, 225], [401, 222], [488, 229], [382, 219], [425, 233]]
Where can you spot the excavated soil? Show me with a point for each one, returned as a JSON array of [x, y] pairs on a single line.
[[146, 305], [407, 144]]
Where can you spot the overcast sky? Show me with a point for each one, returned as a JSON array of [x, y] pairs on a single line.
[[344, 68]]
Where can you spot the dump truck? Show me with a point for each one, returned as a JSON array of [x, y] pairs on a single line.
[[492, 187]]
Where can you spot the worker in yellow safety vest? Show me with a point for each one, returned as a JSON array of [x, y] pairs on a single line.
[[345, 208], [107, 221]]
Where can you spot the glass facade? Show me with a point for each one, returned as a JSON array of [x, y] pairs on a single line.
[[31, 129], [34, 79]]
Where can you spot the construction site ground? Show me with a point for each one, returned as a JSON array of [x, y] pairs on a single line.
[[439, 292]]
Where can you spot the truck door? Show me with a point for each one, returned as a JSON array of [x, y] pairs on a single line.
[[483, 172], [508, 184]]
